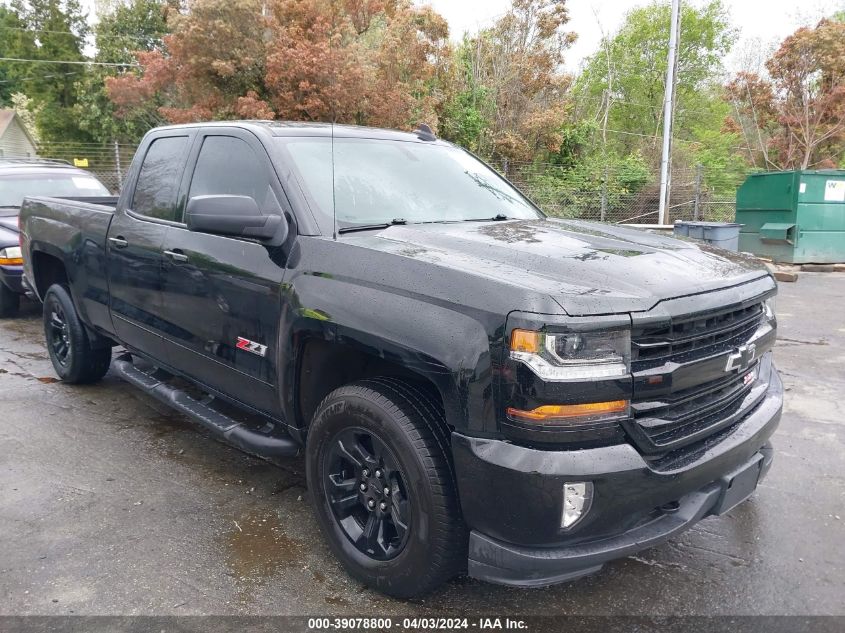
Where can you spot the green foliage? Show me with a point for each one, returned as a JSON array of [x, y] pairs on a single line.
[[577, 191], [721, 153], [462, 119], [633, 63], [135, 26], [59, 28], [576, 140], [18, 42]]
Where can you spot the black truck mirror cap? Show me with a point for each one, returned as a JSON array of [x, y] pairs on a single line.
[[238, 216]]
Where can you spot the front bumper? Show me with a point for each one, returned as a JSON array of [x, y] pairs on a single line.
[[511, 498], [12, 278]]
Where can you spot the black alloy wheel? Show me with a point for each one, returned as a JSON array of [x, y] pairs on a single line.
[[382, 482], [366, 490], [75, 358], [58, 334]]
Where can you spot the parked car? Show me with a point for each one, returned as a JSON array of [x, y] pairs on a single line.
[[37, 177], [477, 387]]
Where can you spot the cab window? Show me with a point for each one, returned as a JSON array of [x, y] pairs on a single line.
[[229, 166], [158, 183]]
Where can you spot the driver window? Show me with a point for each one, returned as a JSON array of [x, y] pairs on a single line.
[[228, 165]]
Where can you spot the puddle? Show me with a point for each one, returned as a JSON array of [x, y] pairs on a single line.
[[257, 547]]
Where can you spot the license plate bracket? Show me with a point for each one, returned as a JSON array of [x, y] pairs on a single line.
[[739, 485]]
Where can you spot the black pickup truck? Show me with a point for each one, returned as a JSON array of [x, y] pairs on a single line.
[[476, 387]]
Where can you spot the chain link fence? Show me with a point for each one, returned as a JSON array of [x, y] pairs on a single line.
[[107, 162], [614, 194], [622, 195]]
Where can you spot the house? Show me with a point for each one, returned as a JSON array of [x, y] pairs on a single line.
[[15, 141]]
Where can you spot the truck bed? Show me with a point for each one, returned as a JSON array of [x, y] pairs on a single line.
[[73, 231]]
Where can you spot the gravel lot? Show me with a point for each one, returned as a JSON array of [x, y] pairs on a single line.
[[112, 505]]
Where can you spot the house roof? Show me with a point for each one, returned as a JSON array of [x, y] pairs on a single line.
[[6, 118]]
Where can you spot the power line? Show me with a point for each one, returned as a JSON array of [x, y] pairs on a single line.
[[650, 106], [64, 61], [51, 76], [24, 30], [94, 34]]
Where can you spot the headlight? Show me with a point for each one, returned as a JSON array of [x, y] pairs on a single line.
[[769, 308], [11, 255], [558, 357]]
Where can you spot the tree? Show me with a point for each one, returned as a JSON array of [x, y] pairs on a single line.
[[59, 29], [27, 112], [359, 61], [797, 114], [462, 115], [16, 41], [510, 88], [214, 55], [636, 58], [138, 25]]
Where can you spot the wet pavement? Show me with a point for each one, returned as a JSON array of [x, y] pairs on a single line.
[[112, 505]]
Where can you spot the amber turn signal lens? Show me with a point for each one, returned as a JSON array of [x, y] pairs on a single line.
[[11, 261], [552, 412], [525, 341]]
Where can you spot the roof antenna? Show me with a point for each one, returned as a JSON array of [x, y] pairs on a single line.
[[424, 132], [334, 202]]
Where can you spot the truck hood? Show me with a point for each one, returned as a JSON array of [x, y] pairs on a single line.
[[586, 268], [8, 230], [9, 223]]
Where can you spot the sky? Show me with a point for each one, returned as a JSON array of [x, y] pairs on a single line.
[[761, 23]]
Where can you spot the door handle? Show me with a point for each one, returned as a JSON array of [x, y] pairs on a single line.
[[118, 242], [177, 255]]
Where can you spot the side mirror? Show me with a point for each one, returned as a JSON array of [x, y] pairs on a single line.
[[238, 216]]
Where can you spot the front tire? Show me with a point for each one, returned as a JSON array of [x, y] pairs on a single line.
[[10, 301], [75, 360], [383, 487]]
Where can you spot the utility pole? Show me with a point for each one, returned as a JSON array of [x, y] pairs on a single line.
[[669, 110], [117, 165], [696, 210]]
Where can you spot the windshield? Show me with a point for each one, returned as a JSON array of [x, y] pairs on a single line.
[[381, 181], [15, 187]]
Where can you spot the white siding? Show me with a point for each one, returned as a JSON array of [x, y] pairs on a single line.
[[14, 142]]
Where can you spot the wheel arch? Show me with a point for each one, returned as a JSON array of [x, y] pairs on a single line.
[[47, 268], [323, 366]]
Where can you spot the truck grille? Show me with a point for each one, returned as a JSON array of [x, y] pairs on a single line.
[[684, 340], [678, 419], [689, 415]]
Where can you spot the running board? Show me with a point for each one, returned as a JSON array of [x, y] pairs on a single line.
[[234, 432]]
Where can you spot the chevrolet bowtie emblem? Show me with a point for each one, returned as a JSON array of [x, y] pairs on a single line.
[[742, 357]]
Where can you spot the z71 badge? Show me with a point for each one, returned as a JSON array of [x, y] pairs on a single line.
[[251, 346]]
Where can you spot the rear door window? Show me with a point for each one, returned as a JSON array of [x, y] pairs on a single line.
[[158, 183]]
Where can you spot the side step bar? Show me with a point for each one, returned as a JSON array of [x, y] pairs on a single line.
[[249, 440]]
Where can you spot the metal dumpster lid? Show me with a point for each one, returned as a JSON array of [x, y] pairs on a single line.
[[713, 224]]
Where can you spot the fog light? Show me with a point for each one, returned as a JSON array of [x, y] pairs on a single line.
[[577, 497]]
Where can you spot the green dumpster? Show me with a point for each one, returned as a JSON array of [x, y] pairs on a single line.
[[793, 216]]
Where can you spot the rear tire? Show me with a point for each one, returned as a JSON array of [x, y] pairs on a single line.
[[403, 533], [10, 301], [75, 360]]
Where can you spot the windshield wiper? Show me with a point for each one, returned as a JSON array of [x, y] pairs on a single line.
[[496, 218], [372, 227]]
